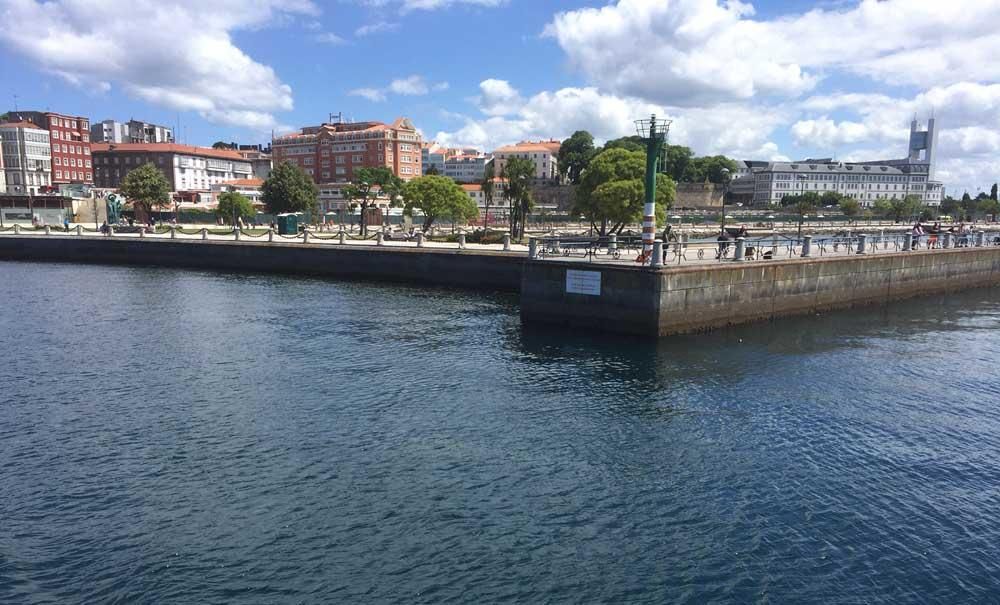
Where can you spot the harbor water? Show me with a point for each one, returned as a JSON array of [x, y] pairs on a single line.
[[177, 436]]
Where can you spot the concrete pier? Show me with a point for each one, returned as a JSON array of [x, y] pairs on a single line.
[[687, 299]]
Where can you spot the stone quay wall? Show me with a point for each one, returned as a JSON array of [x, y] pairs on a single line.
[[426, 266], [677, 300]]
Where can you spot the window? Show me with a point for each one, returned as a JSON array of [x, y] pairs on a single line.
[[74, 123], [356, 159], [58, 161], [340, 159], [65, 149], [341, 170], [58, 174]]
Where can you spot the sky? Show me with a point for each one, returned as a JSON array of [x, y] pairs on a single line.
[[766, 80]]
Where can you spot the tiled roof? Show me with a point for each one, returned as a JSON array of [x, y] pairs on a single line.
[[534, 146], [20, 125], [225, 154]]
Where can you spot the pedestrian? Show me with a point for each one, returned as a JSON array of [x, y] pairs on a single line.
[[723, 245], [916, 232], [66, 223]]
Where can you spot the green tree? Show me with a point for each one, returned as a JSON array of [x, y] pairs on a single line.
[[830, 198], [801, 204], [612, 191], [234, 205], [221, 145], [438, 197], [632, 143], [849, 207], [710, 168], [882, 207], [369, 185], [988, 207], [676, 159], [993, 192], [288, 189], [488, 187], [952, 208], [518, 172], [574, 155], [146, 187]]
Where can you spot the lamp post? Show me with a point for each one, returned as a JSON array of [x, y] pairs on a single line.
[[725, 191]]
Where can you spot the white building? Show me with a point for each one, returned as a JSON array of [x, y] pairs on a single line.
[[133, 131], [249, 188], [466, 168], [866, 182], [186, 167], [544, 155], [27, 157]]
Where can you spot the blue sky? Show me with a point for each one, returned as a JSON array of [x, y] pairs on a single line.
[[762, 80]]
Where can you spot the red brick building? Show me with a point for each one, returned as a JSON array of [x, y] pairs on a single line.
[[331, 153], [69, 138]]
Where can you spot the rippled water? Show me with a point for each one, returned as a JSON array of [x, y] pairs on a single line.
[[186, 437]]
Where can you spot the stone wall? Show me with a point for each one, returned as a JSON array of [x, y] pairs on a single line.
[[698, 195], [426, 266], [677, 300]]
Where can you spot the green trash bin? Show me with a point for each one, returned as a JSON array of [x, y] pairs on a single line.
[[288, 224]]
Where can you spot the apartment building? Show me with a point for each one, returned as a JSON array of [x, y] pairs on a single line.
[[27, 158], [69, 141], [187, 168], [544, 155], [133, 131], [333, 152]]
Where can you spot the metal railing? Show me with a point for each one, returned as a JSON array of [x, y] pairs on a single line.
[[749, 249]]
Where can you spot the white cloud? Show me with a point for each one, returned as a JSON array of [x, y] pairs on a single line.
[[376, 28], [372, 94], [414, 85], [498, 98], [740, 131], [690, 52], [182, 57], [329, 38], [406, 6]]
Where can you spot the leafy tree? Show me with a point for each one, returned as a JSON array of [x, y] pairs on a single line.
[[233, 205], [574, 155], [676, 159], [710, 168], [488, 187], [988, 207], [370, 184], [882, 207], [632, 143], [221, 145], [966, 197], [612, 191], [288, 189], [438, 197], [830, 198], [801, 204], [518, 173], [993, 192], [146, 187], [952, 208], [849, 207]]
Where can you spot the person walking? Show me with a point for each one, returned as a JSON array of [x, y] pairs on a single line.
[[916, 232]]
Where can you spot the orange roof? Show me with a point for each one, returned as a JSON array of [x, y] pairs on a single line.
[[226, 154], [20, 125], [245, 182], [472, 187], [544, 146]]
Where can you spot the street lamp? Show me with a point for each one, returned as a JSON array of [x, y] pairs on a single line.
[[725, 191]]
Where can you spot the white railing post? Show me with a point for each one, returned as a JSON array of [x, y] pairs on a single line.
[[79, 229], [506, 242]]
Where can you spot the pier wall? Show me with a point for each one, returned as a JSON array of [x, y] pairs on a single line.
[[678, 300], [426, 266]]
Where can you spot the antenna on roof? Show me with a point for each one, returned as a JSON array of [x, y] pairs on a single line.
[[337, 118]]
